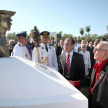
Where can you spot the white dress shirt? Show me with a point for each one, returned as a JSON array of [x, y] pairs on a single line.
[[87, 62], [31, 40], [76, 47]]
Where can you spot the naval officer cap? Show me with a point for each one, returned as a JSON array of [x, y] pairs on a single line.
[[44, 34], [103, 39], [21, 34]]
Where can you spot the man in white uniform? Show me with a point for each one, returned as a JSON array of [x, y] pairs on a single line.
[[21, 49], [45, 53], [77, 45]]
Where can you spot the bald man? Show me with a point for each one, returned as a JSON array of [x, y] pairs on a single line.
[[84, 42], [98, 97]]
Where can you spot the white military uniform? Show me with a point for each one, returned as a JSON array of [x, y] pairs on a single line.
[[87, 62], [76, 47], [21, 51], [40, 55]]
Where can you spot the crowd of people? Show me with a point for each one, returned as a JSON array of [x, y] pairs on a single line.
[[81, 64]]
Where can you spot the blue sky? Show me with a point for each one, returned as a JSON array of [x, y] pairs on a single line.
[[67, 16]]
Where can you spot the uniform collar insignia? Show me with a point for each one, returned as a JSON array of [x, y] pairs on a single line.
[[19, 45], [49, 47], [42, 47]]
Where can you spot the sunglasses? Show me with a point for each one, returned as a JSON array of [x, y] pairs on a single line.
[[98, 49]]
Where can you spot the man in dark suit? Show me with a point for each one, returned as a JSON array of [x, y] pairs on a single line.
[[91, 57], [59, 49], [84, 42], [72, 64], [98, 97]]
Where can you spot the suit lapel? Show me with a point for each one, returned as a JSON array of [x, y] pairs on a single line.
[[93, 76], [102, 73], [72, 64], [64, 63]]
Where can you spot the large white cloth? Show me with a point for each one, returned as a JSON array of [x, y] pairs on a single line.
[[21, 51], [76, 47], [43, 54], [87, 62], [27, 84]]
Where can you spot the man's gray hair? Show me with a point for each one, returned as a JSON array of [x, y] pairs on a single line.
[[11, 41], [105, 42]]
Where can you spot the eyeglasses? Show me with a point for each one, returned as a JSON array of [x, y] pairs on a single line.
[[83, 47], [97, 49]]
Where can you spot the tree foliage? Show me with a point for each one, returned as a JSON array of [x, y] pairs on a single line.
[[59, 35], [81, 31], [12, 36], [87, 28]]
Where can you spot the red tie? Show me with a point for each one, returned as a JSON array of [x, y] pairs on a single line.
[[68, 65]]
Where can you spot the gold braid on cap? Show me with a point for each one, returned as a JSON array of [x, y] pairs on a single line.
[[47, 59]]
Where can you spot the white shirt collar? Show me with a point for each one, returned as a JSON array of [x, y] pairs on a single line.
[[31, 40], [71, 53], [43, 44], [19, 43]]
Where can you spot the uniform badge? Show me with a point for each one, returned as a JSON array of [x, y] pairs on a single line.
[[42, 47], [101, 76], [49, 47]]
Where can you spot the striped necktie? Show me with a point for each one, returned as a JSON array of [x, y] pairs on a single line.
[[68, 65]]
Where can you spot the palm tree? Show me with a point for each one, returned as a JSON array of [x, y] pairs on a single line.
[[81, 31], [87, 28], [107, 27]]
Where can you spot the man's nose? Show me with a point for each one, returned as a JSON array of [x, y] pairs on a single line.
[[94, 51]]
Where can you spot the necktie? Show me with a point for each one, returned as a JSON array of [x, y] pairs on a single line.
[[68, 65], [46, 48]]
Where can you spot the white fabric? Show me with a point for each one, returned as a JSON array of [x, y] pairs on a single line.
[[70, 57], [21, 51], [27, 84], [43, 54], [76, 47], [31, 40], [87, 61]]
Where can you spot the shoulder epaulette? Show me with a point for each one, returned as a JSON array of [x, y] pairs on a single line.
[[19, 45], [38, 46]]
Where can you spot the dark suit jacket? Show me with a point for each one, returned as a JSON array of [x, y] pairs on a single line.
[[92, 60], [88, 49], [77, 70], [58, 52], [92, 56], [99, 99]]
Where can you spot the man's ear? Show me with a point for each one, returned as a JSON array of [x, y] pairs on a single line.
[[73, 45]]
